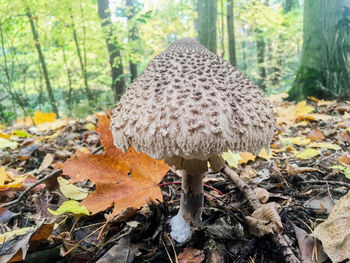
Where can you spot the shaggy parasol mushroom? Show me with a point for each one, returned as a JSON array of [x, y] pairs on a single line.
[[187, 107]]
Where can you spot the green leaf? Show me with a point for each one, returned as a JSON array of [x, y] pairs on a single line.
[[21, 133], [70, 206]]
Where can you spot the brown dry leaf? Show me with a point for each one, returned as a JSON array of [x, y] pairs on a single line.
[[294, 169], [344, 159], [315, 135], [48, 159], [191, 255], [262, 194], [334, 233], [306, 245], [122, 179], [265, 220]]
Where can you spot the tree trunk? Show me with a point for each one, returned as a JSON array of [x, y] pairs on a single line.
[[131, 12], [88, 92], [206, 23], [244, 55], [231, 33], [260, 52], [289, 5], [42, 62], [115, 59], [324, 66], [69, 78]]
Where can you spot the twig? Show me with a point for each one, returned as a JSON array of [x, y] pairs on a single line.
[[325, 182], [22, 195], [329, 193], [54, 173], [277, 238]]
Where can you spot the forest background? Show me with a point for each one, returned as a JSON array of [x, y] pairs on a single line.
[[75, 57]]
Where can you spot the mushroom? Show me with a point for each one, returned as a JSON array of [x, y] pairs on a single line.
[[188, 107]]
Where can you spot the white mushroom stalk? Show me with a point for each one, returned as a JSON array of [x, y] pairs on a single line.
[[187, 107]]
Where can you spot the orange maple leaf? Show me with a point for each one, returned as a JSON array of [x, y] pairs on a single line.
[[122, 179]]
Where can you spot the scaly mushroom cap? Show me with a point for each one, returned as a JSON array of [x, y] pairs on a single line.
[[191, 103]]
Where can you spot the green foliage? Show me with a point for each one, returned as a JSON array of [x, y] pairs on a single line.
[[158, 24]]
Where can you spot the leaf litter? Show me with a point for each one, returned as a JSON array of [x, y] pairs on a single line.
[[108, 204]]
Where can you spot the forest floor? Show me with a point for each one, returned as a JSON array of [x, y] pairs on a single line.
[[305, 174]]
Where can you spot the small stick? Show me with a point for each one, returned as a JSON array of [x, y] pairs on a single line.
[[325, 182], [277, 238]]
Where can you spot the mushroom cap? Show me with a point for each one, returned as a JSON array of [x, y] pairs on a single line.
[[193, 104]]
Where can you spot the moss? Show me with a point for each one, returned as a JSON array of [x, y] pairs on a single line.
[[308, 82]]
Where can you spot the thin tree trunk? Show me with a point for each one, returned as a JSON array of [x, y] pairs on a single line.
[[222, 38], [244, 54], [13, 93], [260, 52], [231, 33], [131, 12], [81, 62], [42, 62], [69, 78], [115, 59], [206, 23]]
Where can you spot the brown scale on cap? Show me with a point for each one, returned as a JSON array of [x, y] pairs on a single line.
[[187, 107]]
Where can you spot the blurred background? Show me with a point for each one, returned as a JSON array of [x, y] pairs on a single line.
[[76, 57]]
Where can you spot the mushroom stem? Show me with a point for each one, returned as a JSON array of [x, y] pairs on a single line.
[[191, 199]]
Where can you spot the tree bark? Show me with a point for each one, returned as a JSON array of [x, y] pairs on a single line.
[[324, 70], [115, 59], [42, 61], [69, 78], [206, 23], [260, 52], [289, 5], [231, 33], [131, 11]]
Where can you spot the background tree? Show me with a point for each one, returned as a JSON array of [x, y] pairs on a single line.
[[206, 23], [115, 61], [231, 33], [324, 66]]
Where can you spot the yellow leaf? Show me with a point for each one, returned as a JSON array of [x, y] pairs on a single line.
[[325, 145], [348, 129], [70, 206], [303, 109], [90, 126], [5, 136], [71, 191], [18, 232], [40, 117], [246, 157], [231, 158], [307, 154], [3, 176], [300, 140], [17, 183], [2, 126], [263, 154], [21, 134], [7, 144]]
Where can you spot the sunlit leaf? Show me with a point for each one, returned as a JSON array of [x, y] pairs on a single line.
[[7, 144], [71, 191], [231, 158], [327, 145], [301, 141], [70, 206], [40, 117], [21, 133], [307, 154]]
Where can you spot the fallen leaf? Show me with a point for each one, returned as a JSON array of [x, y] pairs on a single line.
[[4, 136], [54, 125], [40, 117], [246, 157], [48, 159], [316, 135], [71, 191], [344, 159], [299, 140], [307, 154], [4, 143], [122, 179], [262, 194], [327, 145], [70, 206], [191, 255], [21, 134], [334, 233], [265, 220], [306, 246], [231, 158], [322, 205], [294, 169], [263, 154]]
